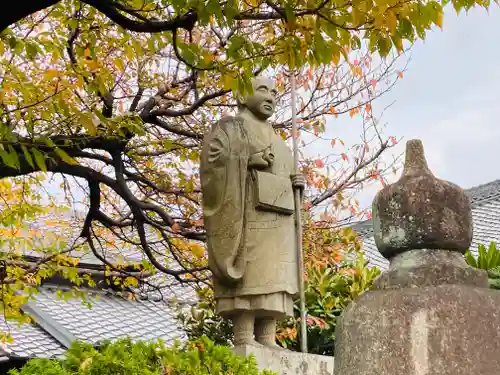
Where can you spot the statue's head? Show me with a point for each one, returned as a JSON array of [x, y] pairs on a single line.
[[263, 100]]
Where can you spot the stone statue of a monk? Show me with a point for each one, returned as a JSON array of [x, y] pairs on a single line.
[[247, 184]]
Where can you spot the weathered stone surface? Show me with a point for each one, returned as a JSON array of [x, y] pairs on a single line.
[[443, 330], [423, 267], [420, 211], [285, 362]]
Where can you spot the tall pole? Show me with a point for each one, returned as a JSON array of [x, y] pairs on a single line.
[[298, 220]]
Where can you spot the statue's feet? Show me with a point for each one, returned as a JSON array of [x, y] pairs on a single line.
[[270, 344], [249, 342]]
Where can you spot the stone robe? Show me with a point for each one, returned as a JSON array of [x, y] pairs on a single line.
[[251, 252]]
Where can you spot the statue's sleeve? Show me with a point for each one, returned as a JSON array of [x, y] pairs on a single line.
[[223, 174]]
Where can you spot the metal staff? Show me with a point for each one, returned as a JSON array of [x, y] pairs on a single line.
[[298, 221]]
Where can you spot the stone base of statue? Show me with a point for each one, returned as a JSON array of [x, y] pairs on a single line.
[[286, 362]]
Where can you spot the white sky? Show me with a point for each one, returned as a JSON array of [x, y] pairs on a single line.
[[449, 98]]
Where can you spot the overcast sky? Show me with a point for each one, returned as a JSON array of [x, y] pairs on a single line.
[[449, 98]]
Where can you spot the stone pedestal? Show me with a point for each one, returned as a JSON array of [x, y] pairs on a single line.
[[286, 362], [436, 330]]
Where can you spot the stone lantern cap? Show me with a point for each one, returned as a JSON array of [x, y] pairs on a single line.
[[420, 211]]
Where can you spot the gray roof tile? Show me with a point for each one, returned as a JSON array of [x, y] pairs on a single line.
[[485, 201], [110, 317], [30, 341]]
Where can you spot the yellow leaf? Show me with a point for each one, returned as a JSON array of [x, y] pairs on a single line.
[[439, 20], [50, 73], [336, 57], [119, 64], [392, 21], [197, 250], [208, 58]]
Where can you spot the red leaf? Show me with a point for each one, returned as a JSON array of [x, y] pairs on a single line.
[[344, 157], [373, 82], [319, 163]]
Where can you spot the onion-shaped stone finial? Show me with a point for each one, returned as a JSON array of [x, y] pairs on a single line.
[[420, 211]]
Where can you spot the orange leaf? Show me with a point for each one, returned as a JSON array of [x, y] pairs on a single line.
[[400, 75], [319, 163], [176, 227], [333, 142], [368, 107]]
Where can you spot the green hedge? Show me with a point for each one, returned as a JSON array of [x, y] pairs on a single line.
[[124, 357]]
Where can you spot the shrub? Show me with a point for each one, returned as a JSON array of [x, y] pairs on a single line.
[[202, 320], [124, 357], [489, 260], [329, 288], [336, 272]]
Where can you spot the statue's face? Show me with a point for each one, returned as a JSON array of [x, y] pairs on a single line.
[[263, 101]]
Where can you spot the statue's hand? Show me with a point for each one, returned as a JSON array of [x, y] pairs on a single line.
[[268, 156], [298, 181], [258, 161]]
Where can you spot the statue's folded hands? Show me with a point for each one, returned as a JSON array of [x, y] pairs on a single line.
[[257, 161]]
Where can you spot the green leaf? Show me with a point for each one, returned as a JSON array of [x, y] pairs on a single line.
[[469, 258], [27, 156], [14, 156], [88, 122], [31, 50], [39, 159], [65, 157]]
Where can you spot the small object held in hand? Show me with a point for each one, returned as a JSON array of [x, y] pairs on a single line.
[[298, 181]]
